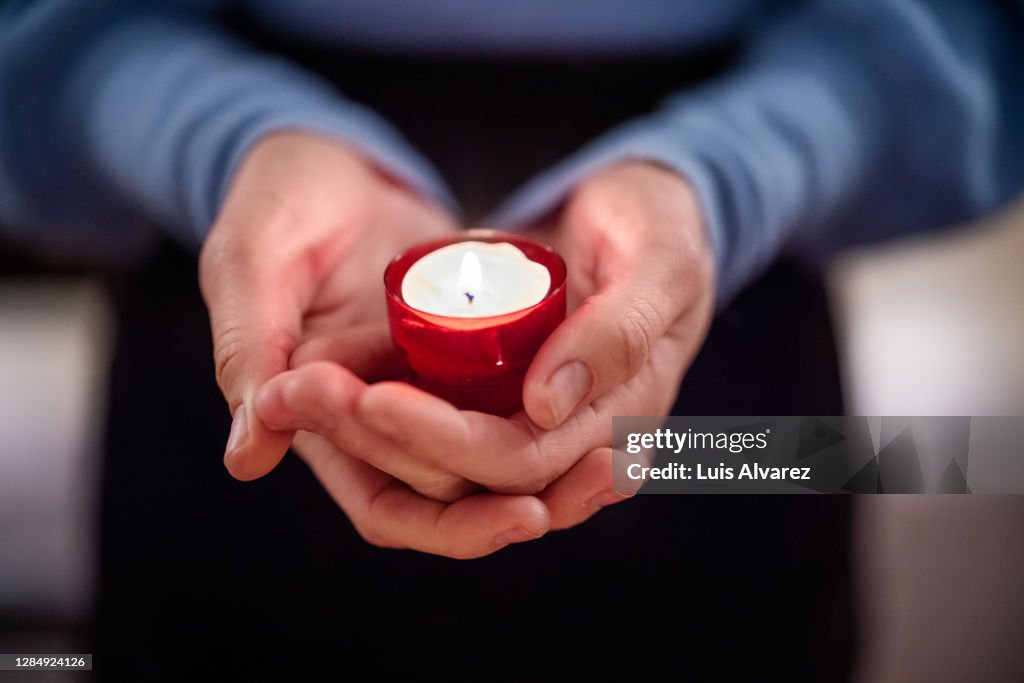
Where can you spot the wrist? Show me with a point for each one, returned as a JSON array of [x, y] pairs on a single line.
[[646, 194]]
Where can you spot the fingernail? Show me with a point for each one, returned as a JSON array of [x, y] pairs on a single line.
[[517, 535], [567, 387], [239, 429], [606, 498]]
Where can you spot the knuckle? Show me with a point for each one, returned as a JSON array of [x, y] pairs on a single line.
[[228, 346], [444, 487], [532, 484], [306, 391], [232, 342], [636, 331], [371, 533]]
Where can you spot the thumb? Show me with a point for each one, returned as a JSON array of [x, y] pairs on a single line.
[[255, 322], [603, 343]]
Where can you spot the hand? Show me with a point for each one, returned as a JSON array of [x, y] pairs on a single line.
[[298, 252], [641, 270], [319, 397]]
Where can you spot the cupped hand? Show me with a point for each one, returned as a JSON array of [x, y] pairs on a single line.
[[641, 284], [296, 253], [641, 288], [392, 500]]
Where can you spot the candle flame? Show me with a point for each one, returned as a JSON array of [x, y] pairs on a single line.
[[470, 276]]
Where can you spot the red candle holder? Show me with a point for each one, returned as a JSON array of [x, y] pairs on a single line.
[[474, 363]]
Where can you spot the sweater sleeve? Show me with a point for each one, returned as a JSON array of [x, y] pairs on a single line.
[[846, 121], [118, 116]]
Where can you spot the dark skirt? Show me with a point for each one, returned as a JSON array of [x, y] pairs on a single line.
[[202, 575]]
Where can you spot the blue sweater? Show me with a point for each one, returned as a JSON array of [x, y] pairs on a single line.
[[845, 120]]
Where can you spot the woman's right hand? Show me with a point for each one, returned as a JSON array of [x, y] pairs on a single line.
[[297, 254], [292, 273]]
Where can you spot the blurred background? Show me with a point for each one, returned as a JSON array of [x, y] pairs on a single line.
[[929, 326], [936, 327]]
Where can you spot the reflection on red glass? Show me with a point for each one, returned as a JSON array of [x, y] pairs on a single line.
[[474, 363]]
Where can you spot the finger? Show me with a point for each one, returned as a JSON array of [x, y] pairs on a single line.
[[650, 392], [509, 455], [602, 344], [388, 514], [366, 350], [496, 452], [255, 320], [583, 490], [320, 397]]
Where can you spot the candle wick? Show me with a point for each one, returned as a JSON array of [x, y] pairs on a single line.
[[469, 296]]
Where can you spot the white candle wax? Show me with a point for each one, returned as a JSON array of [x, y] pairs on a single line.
[[475, 280]]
